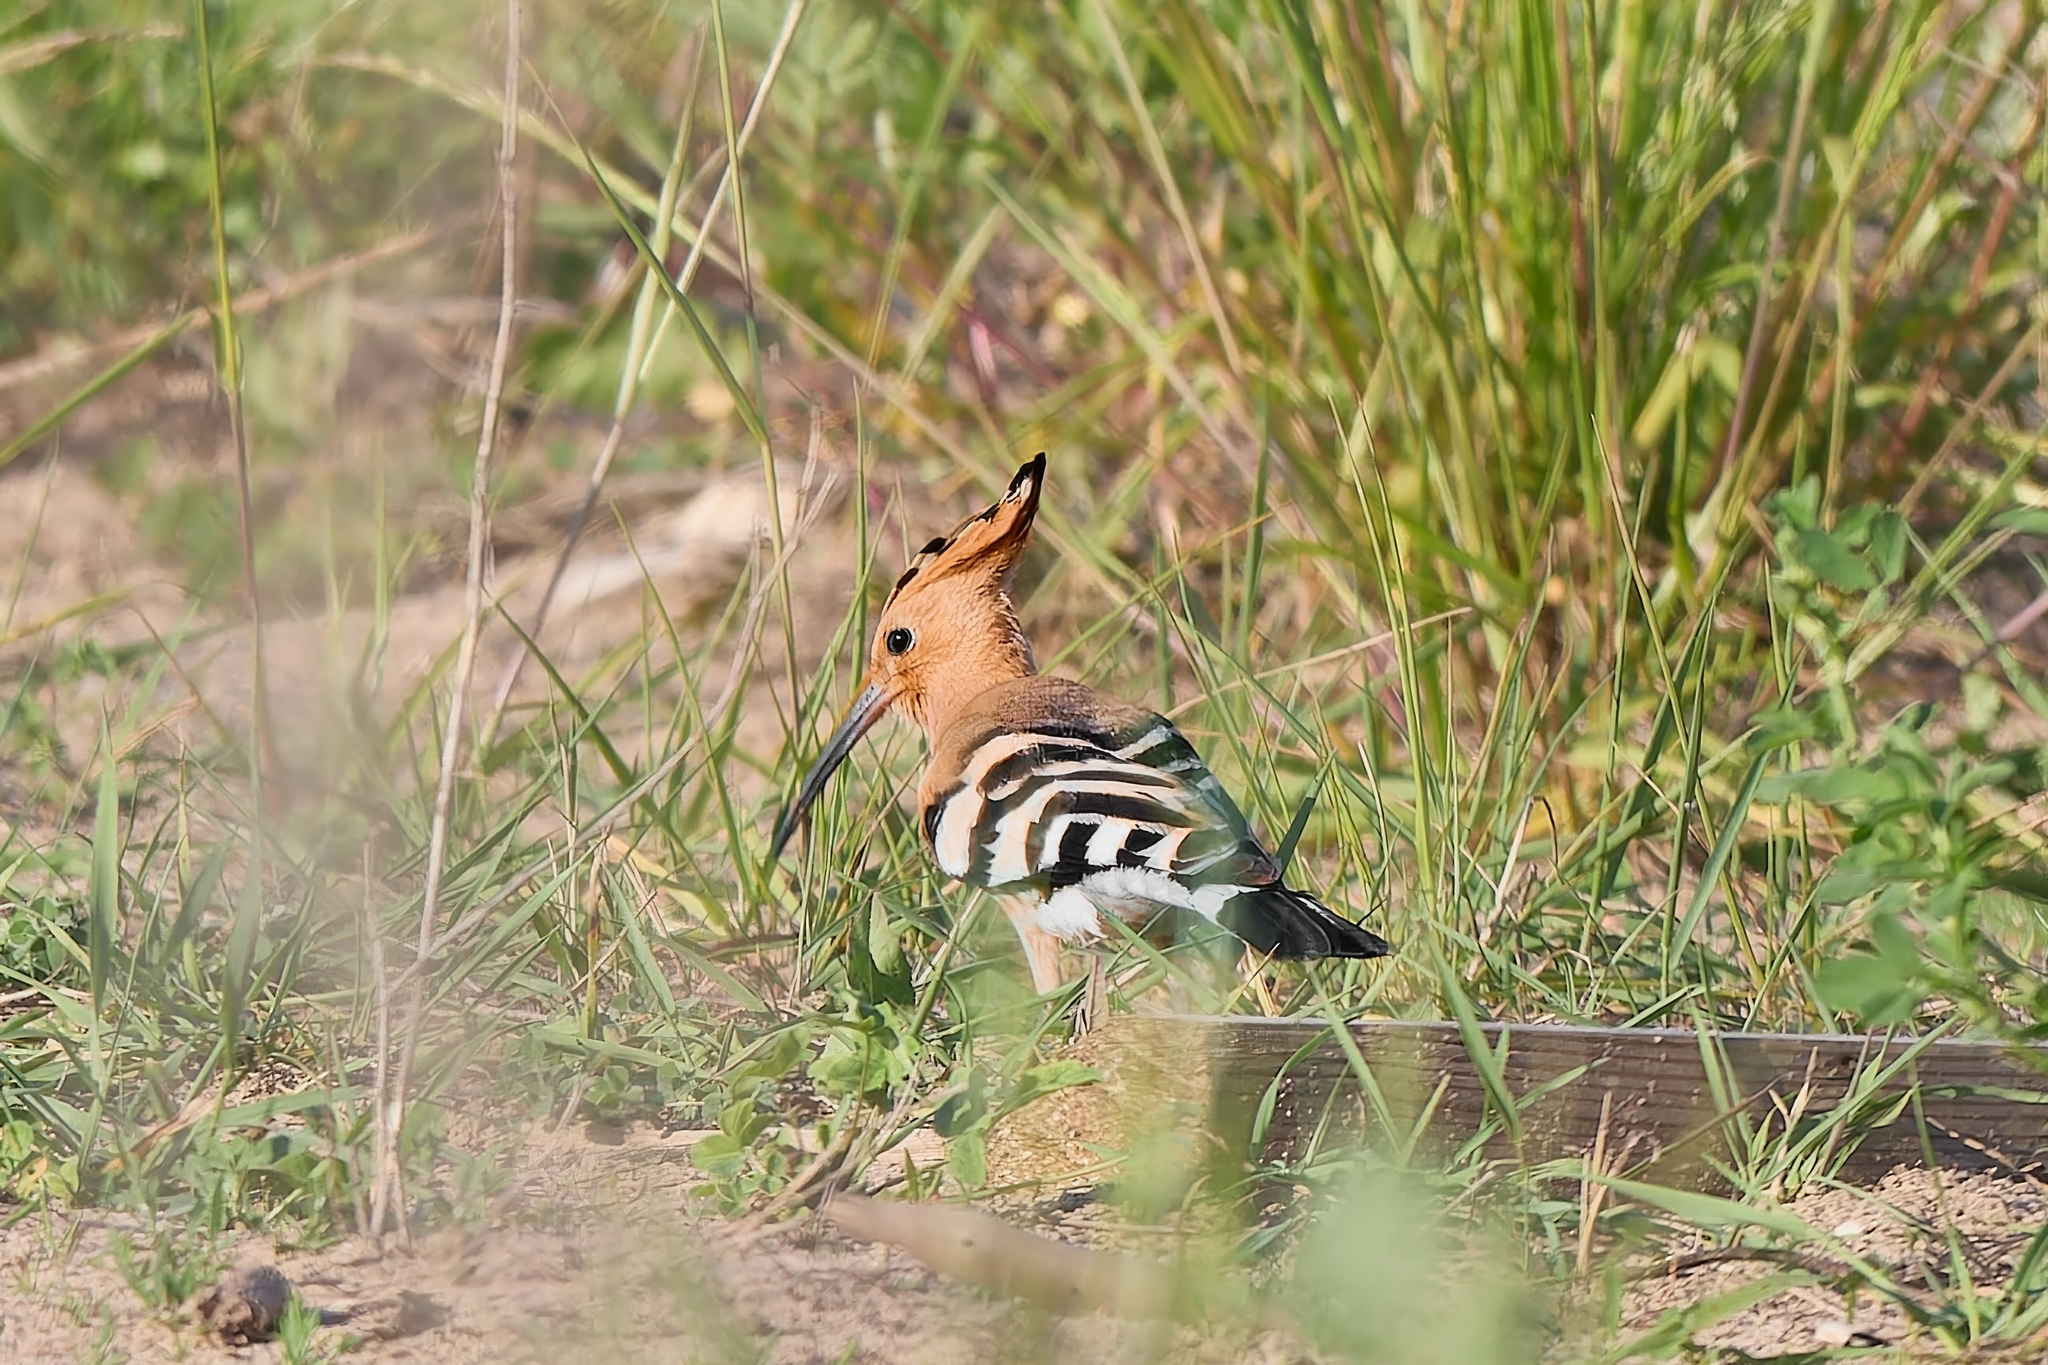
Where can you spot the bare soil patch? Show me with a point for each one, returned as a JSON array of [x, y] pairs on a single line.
[[597, 1259], [596, 1256], [1902, 1225]]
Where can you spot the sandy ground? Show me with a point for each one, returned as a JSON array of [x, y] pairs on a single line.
[[66, 542], [1901, 1225], [596, 1258]]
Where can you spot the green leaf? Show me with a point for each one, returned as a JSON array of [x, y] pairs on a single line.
[[721, 1155], [742, 401], [854, 1062], [1284, 855], [1841, 158], [774, 1056], [1894, 941], [960, 1112], [1485, 1061], [1778, 727], [1800, 506], [2028, 521], [1888, 545], [1834, 563], [100, 933], [1709, 1210], [715, 973], [2022, 881], [1842, 885], [1881, 983], [967, 1157], [1042, 1080], [1875, 782]]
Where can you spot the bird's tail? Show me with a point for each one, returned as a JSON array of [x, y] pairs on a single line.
[[1282, 922]]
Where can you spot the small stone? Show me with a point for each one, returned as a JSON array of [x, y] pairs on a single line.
[[245, 1304], [1834, 1333]]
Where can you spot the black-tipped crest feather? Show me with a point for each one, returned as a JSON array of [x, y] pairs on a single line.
[[1025, 486]]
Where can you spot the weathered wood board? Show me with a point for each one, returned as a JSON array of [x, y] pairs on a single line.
[[1664, 1118]]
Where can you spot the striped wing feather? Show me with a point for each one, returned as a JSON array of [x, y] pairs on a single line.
[[1049, 806]]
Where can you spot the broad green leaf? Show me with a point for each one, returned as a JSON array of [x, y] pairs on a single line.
[[1834, 563], [967, 1157]]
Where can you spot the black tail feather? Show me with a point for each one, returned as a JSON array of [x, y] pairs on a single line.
[[1282, 922]]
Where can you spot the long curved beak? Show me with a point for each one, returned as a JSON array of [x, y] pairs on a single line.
[[867, 708]]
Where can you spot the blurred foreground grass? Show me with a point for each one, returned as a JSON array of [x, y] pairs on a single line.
[[1592, 448]]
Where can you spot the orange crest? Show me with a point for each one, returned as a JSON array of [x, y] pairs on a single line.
[[986, 545], [949, 631]]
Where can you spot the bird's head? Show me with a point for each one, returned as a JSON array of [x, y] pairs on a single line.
[[948, 633]]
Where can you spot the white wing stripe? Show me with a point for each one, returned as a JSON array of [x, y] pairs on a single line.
[[1049, 847], [1151, 739], [994, 750], [953, 843], [1139, 775], [1162, 854], [1108, 841]]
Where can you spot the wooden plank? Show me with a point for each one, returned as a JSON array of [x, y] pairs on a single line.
[[1666, 1118]]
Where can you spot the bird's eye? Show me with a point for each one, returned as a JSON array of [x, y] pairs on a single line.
[[899, 640]]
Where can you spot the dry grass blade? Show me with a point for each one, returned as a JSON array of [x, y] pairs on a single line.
[[49, 363], [387, 1194], [228, 359], [628, 802], [1162, 169]]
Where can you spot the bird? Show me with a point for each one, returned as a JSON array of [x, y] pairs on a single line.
[[1066, 803]]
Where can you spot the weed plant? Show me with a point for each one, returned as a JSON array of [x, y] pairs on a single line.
[[1573, 465]]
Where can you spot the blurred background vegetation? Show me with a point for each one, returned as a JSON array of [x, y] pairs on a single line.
[[1596, 446]]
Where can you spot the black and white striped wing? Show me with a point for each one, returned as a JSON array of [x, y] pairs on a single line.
[[1049, 806]]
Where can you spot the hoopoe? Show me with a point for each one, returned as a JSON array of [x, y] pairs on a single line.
[[1066, 803]]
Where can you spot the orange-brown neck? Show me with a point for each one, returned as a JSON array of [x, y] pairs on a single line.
[[985, 647]]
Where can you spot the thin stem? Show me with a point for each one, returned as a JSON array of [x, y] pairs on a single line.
[[388, 1186]]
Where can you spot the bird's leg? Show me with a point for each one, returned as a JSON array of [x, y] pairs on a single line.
[[1042, 953], [1041, 949]]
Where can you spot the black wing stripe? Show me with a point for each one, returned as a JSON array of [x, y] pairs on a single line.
[[1073, 857], [1035, 803], [1134, 806], [1022, 789], [1132, 851], [1159, 744]]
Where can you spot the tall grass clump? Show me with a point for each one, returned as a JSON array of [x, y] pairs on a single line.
[[1573, 468], [1544, 339]]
